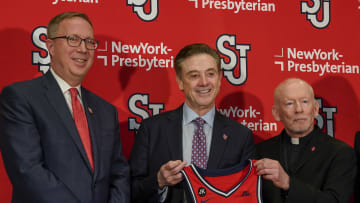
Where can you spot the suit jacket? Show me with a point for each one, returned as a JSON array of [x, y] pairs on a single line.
[[159, 140], [325, 172], [357, 151], [43, 153]]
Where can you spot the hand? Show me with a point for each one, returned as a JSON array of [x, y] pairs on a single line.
[[272, 170], [169, 173]]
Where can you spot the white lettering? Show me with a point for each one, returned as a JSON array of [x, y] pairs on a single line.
[[237, 6]]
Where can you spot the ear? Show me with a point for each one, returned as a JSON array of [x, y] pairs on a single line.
[[180, 83], [316, 108], [50, 46], [275, 113], [220, 77]]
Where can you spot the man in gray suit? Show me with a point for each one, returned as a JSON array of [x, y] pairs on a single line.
[[61, 143], [302, 164], [165, 143]]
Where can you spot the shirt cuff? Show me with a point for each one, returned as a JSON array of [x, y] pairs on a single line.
[[163, 193]]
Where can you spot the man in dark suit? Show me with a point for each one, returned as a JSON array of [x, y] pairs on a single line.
[[165, 143], [302, 164], [61, 143]]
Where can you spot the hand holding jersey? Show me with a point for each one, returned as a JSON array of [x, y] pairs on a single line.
[[272, 170], [169, 173]]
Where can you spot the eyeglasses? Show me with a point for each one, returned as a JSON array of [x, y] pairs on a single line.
[[75, 41]]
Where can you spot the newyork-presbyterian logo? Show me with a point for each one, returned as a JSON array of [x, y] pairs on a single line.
[[234, 63], [235, 6], [314, 60], [139, 9], [76, 1], [313, 12], [143, 55]]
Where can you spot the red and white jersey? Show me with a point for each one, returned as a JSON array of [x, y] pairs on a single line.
[[236, 184]]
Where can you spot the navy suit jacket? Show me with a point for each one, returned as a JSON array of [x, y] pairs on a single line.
[[325, 172], [159, 140], [43, 153]]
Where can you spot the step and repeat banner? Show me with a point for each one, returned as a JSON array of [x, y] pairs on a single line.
[[261, 42]]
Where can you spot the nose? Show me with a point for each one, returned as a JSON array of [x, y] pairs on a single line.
[[299, 107], [203, 80], [82, 46]]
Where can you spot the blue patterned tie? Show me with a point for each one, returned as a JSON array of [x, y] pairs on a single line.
[[198, 151]]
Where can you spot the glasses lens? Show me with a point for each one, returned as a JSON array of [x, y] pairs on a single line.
[[74, 41], [91, 44]]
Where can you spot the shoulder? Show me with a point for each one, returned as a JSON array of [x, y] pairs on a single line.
[[334, 145], [90, 96], [268, 148], [229, 123], [270, 141], [167, 116], [22, 88]]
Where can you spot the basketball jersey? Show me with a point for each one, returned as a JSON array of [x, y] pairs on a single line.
[[236, 184]]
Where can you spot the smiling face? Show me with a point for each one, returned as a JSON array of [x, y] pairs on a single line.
[[296, 107], [200, 81], [71, 63]]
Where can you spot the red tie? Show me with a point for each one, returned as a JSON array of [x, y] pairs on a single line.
[[81, 124]]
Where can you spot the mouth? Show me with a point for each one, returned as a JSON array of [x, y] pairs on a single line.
[[80, 60], [204, 91], [300, 119]]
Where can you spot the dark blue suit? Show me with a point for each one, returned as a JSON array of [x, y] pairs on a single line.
[[43, 153]]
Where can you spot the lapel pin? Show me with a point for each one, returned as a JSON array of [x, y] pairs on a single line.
[[313, 148], [90, 110], [225, 136]]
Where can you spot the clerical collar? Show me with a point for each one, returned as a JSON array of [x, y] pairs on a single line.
[[295, 140], [301, 140]]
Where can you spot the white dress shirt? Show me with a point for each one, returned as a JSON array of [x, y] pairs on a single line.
[[65, 89]]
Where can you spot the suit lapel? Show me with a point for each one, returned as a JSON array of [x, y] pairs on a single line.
[[174, 134], [57, 101], [90, 110], [218, 142]]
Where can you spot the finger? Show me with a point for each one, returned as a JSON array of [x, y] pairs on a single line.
[[269, 177], [172, 164], [259, 165], [172, 168], [268, 172], [179, 167], [258, 162], [178, 177], [271, 163], [174, 179], [176, 166]]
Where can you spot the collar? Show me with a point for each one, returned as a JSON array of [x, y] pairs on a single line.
[[64, 86], [302, 140], [189, 115]]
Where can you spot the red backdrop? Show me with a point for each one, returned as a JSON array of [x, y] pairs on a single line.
[[261, 42]]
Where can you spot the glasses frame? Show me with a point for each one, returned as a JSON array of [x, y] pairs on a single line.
[[67, 37]]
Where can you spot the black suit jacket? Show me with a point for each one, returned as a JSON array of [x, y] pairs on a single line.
[[43, 153], [357, 151], [159, 140], [325, 174]]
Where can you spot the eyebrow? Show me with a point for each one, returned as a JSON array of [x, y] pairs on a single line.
[[76, 35], [207, 70]]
